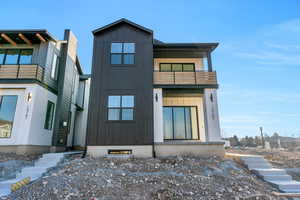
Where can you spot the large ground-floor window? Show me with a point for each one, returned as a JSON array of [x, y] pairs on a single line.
[[180, 123], [8, 105]]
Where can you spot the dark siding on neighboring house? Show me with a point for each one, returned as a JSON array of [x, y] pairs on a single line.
[[65, 84], [128, 79]]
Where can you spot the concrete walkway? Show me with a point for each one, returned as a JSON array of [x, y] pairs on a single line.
[[40, 167], [276, 177]]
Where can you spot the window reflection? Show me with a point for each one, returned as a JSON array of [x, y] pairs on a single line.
[[180, 123], [7, 113]]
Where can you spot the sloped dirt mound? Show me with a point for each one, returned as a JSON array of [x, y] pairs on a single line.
[[160, 179]]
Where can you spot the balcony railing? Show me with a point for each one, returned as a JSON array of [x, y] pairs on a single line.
[[21, 72], [185, 78]]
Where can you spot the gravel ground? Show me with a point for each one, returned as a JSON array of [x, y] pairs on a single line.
[[160, 179], [12, 156]]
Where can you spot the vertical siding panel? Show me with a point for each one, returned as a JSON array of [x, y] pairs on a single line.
[[136, 80]]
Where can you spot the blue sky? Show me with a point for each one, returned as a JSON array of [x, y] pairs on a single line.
[[258, 59]]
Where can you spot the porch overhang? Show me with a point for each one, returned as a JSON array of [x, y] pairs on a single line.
[[27, 37], [183, 50]]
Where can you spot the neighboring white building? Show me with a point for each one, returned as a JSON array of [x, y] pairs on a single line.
[[39, 95]]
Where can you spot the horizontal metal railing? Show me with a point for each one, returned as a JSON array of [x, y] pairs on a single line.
[[22, 72], [185, 78]]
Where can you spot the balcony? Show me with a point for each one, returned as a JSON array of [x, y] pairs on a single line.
[[21, 72], [198, 78]]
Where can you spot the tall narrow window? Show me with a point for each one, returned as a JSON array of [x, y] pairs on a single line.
[[12, 56], [49, 115], [54, 67], [8, 106], [122, 53], [16, 56], [2, 55], [25, 56], [120, 107]]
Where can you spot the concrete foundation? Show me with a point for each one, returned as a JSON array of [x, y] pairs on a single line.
[[163, 149], [24, 149], [175, 148], [142, 151]]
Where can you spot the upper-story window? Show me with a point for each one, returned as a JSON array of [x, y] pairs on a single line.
[[16, 56], [54, 66], [120, 107], [122, 53], [177, 67]]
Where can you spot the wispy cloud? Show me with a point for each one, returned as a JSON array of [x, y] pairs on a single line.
[[275, 45], [243, 106], [269, 57], [245, 95]]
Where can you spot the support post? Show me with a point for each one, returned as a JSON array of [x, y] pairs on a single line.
[[209, 62]]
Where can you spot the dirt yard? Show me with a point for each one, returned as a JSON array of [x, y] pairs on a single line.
[[161, 179]]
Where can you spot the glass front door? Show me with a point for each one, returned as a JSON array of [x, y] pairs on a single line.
[[8, 105], [180, 123]]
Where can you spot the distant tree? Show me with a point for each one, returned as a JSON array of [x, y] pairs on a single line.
[[275, 135], [257, 141], [234, 141], [274, 140], [251, 142], [248, 141]]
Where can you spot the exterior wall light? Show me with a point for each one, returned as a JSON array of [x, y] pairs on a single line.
[[65, 124], [29, 97]]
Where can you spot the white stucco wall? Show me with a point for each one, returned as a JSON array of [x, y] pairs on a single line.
[[29, 119], [38, 105], [81, 118], [158, 115], [212, 115]]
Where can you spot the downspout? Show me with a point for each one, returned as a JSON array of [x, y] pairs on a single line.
[[153, 144], [85, 145]]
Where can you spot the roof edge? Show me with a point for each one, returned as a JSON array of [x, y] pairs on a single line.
[[45, 31], [122, 20], [212, 46]]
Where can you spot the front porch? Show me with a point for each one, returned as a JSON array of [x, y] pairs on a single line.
[[186, 121], [183, 148]]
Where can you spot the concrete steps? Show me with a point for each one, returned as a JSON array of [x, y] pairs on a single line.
[[270, 178], [41, 166], [276, 177]]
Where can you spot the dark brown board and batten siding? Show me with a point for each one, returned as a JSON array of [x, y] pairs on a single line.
[[134, 80]]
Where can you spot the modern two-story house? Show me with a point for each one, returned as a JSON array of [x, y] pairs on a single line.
[[43, 92], [150, 98]]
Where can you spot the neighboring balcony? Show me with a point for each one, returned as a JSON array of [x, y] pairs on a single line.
[[198, 78], [31, 71]]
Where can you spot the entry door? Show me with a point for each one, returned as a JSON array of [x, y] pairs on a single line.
[[8, 105], [180, 123]]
